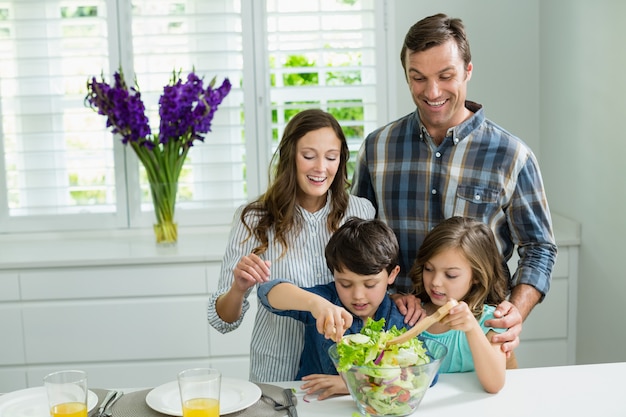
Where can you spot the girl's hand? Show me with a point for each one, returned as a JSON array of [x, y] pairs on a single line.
[[461, 318], [249, 271], [328, 385]]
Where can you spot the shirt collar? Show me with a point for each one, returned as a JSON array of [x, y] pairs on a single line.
[[319, 214], [460, 132]]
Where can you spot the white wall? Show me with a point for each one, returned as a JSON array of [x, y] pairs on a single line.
[[583, 109], [554, 73], [504, 39]]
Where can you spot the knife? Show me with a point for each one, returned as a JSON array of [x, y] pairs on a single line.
[[104, 403], [289, 404], [107, 410]]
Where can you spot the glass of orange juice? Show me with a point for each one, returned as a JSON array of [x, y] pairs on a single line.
[[200, 392], [67, 393]]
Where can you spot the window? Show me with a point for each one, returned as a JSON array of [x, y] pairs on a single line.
[[62, 170]]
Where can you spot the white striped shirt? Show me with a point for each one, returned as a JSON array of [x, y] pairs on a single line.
[[277, 341]]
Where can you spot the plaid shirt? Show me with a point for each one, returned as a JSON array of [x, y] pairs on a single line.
[[479, 170]]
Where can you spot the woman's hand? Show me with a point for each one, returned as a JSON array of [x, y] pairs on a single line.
[[326, 385], [249, 271], [410, 307]]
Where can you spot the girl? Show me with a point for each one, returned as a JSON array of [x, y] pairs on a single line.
[[459, 260]]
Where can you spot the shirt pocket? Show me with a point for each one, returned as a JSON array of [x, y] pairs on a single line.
[[476, 201]]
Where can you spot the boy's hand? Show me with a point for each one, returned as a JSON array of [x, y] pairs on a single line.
[[328, 385], [333, 321]]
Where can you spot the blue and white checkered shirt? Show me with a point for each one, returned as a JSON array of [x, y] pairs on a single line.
[[479, 170]]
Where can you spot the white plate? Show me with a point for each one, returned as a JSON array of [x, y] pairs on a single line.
[[32, 402], [235, 395]]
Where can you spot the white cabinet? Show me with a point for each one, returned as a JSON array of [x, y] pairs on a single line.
[[130, 321], [132, 314], [549, 333]]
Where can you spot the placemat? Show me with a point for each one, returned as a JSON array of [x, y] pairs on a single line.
[[133, 404]]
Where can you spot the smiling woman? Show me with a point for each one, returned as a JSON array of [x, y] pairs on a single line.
[[61, 169]]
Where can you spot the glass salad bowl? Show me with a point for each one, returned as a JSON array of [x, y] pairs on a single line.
[[388, 387]]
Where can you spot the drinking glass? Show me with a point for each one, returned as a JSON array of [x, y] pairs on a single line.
[[67, 393], [200, 392]]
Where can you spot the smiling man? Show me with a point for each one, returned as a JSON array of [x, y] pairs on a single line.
[[446, 159]]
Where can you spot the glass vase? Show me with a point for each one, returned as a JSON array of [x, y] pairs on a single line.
[[164, 200]]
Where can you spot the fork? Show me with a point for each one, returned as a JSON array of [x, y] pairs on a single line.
[[278, 406]]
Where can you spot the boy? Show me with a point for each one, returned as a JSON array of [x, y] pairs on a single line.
[[363, 257]]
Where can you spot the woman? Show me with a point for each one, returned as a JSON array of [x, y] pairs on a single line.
[[286, 231]]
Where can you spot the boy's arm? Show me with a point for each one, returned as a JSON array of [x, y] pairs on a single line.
[[286, 296]]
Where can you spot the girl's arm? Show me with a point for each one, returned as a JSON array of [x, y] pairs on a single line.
[[489, 359], [332, 320]]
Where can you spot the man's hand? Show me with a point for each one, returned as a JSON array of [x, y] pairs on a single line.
[[328, 385], [507, 316], [410, 307]]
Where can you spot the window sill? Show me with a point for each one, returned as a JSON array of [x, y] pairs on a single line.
[[110, 248]]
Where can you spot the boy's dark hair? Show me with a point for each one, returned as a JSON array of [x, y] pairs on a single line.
[[364, 247]]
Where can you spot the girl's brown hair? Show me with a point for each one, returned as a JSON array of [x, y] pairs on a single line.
[[277, 206], [476, 241]]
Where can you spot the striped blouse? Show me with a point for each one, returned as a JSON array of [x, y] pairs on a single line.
[[277, 341]]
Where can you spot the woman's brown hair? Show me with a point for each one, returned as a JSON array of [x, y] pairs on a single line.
[[277, 206]]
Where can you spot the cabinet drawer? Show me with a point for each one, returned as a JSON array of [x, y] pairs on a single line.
[[14, 379], [9, 286], [537, 353], [105, 282], [123, 374], [129, 329], [12, 345], [236, 342], [548, 320]]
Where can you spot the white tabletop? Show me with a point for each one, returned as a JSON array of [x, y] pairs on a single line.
[[581, 390]]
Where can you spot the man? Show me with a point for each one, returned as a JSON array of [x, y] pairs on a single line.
[[446, 159]]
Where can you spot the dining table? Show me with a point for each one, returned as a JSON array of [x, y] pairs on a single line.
[[561, 391]]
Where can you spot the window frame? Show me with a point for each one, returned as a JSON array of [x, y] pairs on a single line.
[[257, 125]]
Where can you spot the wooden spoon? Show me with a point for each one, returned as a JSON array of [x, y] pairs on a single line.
[[423, 324]]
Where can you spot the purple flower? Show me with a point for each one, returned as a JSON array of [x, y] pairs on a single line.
[[186, 110], [123, 108]]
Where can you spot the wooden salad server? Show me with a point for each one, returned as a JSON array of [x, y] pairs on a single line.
[[423, 324]]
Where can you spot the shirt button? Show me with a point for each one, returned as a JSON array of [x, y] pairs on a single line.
[[438, 154], [433, 191], [477, 197]]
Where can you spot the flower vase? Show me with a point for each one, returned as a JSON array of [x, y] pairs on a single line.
[[164, 200]]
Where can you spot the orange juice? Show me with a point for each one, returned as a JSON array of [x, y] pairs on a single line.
[[201, 407], [69, 410]]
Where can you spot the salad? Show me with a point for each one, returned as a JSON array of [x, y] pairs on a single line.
[[383, 380]]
